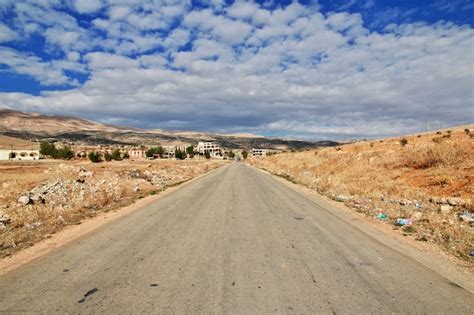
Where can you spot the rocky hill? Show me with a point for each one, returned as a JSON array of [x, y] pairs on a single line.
[[37, 127]]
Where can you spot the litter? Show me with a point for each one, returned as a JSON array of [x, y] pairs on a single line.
[[403, 222], [382, 217]]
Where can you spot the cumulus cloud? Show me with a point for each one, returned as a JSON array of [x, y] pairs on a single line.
[[7, 34], [87, 6], [283, 70]]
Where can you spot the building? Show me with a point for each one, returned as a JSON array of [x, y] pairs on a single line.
[[19, 155], [259, 152], [212, 148], [137, 153]]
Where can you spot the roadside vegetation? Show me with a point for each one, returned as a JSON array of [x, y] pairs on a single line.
[[39, 199], [421, 185]]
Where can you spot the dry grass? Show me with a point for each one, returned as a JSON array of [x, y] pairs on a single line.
[[109, 186], [395, 178]]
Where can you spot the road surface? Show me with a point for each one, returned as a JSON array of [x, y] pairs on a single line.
[[234, 241]]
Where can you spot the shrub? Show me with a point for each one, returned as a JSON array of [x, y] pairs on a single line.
[[245, 154], [48, 149], [207, 155], [64, 153], [231, 154], [126, 155], [94, 157], [116, 155], [403, 142], [438, 132], [467, 131], [107, 156]]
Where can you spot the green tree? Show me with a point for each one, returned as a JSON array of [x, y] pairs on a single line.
[[64, 153], [207, 155], [231, 154], [179, 154], [116, 155], [155, 150], [48, 149], [190, 151], [94, 157], [245, 154]]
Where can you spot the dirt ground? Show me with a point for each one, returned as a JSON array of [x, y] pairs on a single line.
[[427, 179], [39, 198]]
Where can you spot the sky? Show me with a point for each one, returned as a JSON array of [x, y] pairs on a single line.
[[341, 69]]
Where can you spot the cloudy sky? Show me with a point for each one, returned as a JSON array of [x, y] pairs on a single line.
[[302, 69]]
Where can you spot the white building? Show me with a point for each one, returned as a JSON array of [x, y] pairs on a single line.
[[19, 155], [259, 152], [212, 148]]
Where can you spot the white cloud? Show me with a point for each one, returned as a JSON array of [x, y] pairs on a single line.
[[7, 34], [290, 70], [87, 6]]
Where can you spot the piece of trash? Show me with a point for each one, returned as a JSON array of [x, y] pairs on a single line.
[[467, 216], [90, 292], [298, 218], [153, 285], [382, 217], [402, 222]]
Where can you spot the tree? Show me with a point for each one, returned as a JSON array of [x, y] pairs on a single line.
[[116, 155], [64, 153], [245, 154], [155, 150], [126, 155], [190, 151], [107, 156], [94, 157], [181, 155], [48, 149], [207, 155], [231, 154]]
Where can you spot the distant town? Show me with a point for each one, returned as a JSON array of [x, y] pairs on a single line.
[[99, 153]]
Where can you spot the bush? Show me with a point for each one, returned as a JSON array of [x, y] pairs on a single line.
[[48, 149], [155, 150], [126, 155], [116, 155], [181, 155], [467, 131], [245, 154], [64, 153], [207, 155], [231, 154], [403, 142], [94, 157], [107, 156]]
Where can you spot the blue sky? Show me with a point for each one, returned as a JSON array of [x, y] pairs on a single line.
[[307, 69]]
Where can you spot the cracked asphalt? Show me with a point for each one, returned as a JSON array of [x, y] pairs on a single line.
[[233, 241]]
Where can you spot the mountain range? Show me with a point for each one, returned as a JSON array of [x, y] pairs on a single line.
[[38, 127]]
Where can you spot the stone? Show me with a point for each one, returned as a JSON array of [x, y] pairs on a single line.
[[454, 201], [341, 198], [136, 189], [445, 209], [25, 200]]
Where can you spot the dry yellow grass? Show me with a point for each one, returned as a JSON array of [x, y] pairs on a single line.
[[385, 176], [63, 193]]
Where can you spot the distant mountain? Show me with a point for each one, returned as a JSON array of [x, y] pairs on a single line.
[[36, 127]]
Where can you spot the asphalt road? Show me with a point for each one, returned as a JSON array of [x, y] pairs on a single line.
[[234, 241]]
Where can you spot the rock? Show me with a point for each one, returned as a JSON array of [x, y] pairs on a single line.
[[37, 199], [454, 201], [136, 189], [445, 209], [341, 198], [438, 200], [25, 200], [4, 219], [84, 172]]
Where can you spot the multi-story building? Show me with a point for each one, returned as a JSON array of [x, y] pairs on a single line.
[[212, 148], [259, 152]]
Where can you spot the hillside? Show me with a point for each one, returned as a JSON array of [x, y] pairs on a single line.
[[426, 178], [33, 126]]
